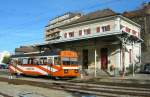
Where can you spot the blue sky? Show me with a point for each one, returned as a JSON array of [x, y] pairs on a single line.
[[22, 21]]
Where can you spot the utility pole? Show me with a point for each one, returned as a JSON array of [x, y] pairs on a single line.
[[95, 62], [133, 59], [124, 41]]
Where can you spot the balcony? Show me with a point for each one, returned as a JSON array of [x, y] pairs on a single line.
[[49, 32]]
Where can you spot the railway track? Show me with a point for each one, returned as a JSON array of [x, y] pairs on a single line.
[[87, 88], [105, 89]]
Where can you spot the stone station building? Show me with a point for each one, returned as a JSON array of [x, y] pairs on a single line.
[[106, 42]]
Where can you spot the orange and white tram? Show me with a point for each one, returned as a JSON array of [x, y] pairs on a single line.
[[62, 64]]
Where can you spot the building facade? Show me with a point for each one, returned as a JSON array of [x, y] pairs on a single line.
[[142, 17], [52, 30], [104, 40]]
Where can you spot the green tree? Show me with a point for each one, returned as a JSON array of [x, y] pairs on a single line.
[[6, 59]]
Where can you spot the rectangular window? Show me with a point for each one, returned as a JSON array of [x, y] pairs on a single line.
[[71, 34], [87, 31], [25, 61], [106, 28], [128, 29], [98, 29], [134, 32], [57, 61], [65, 35], [80, 32], [84, 31], [43, 61]]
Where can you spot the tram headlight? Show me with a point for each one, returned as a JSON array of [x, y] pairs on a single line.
[[76, 71], [65, 70]]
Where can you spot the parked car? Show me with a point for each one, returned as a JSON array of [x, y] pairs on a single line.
[[3, 66], [146, 68]]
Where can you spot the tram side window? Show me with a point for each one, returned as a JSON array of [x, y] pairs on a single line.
[[30, 61], [25, 61], [43, 61], [19, 61], [36, 62], [57, 61], [50, 61]]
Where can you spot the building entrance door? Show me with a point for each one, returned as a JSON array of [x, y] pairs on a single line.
[[85, 59], [104, 58]]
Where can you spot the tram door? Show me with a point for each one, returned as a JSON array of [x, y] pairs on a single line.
[[104, 58], [85, 59]]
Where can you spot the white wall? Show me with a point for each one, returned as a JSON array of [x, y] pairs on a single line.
[[115, 24], [130, 26], [135, 54], [92, 26]]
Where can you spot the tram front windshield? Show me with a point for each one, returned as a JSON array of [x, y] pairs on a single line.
[[69, 61]]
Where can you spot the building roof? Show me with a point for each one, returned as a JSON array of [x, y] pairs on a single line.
[[25, 49], [94, 15], [32, 54]]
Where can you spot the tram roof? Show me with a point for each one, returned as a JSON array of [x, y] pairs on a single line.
[[35, 54]]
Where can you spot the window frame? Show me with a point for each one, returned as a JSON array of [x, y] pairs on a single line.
[[105, 28], [65, 35], [98, 29], [80, 32], [71, 34], [87, 31]]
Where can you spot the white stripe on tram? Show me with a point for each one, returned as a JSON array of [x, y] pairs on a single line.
[[15, 70], [34, 69], [70, 67], [50, 68]]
